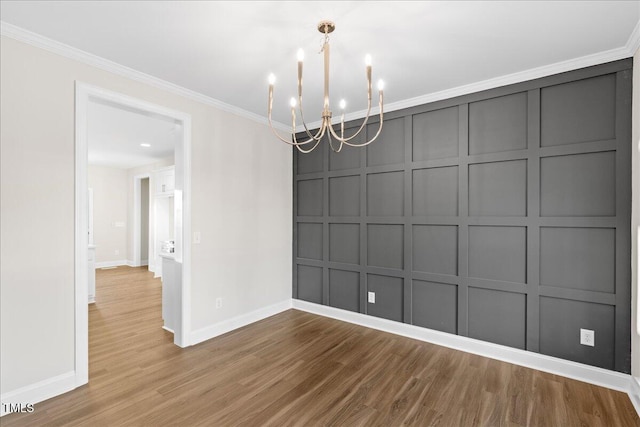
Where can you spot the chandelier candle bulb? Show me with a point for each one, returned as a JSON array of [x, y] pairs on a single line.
[[300, 61], [326, 126]]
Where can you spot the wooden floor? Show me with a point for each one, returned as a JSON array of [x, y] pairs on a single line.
[[300, 369]]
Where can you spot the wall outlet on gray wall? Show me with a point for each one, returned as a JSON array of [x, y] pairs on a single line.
[[371, 296], [587, 337], [218, 302]]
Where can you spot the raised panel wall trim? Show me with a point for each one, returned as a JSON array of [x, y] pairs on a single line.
[[499, 221], [435, 163], [434, 220], [382, 271], [533, 228], [623, 210], [579, 222], [308, 176], [502, 156], [578, 148], [337, 219], [433, 277], [578, 295], [371, 170], [333, 265], [310, 219], [384, 220], [496, 285], [309, 262]]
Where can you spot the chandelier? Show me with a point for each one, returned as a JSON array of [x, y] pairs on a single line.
[[326, 127]]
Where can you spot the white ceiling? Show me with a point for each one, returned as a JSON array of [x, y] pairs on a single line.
[[115, 134], [225, 50]]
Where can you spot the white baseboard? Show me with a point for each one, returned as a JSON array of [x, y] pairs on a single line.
[[229, 325], [578, 371], [634, 393], [168, 329], [39, 391], [116, 263], [92, 299], [143, 263]]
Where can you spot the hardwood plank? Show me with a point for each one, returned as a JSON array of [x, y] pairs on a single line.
[[296, 368]]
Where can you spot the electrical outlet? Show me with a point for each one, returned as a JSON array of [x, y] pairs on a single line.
[[218, 302], [371, 297], [587, 337], [116, 252]]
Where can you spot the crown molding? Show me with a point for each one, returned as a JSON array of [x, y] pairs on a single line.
[[25, 36], [633, 44], [37, 40]]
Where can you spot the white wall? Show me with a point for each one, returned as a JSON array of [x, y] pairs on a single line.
[[241, 203], [144, 220], [109, 207], [635, 215]]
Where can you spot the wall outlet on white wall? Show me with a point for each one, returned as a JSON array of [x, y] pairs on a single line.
[[116, 252], [371, 297], [587, 337], [218, 302]]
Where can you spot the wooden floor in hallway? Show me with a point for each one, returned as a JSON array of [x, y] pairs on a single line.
[[299, 369]]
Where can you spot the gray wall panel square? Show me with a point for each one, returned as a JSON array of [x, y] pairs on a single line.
[[309, 240], [560, 324], [344, 290], [578, 185], [388, 148], [310, 283], [498, 253], [498, 188], [344, 243], [348, 157], [579, 111], [435, 134], [435, 191], [310, 197], [578, 258], [497, 317], [435, 306], [344, 196], [498, 124], [385, 194], [310, 162], [435, 249], [389, 296], [385, 243]]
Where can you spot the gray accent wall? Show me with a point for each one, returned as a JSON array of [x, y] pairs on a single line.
[[502, 215]]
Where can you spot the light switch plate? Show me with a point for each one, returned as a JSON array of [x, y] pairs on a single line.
[[196, 237]]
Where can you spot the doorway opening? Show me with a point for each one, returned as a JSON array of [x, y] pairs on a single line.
[[143, 244]]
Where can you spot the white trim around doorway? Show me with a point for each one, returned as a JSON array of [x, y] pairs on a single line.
[[85, 92]]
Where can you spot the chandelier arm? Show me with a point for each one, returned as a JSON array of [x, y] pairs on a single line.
[[317, 135], [308, 141], [364, 123], [377, 133], [330, 140], [275, 132], [302, 150]]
